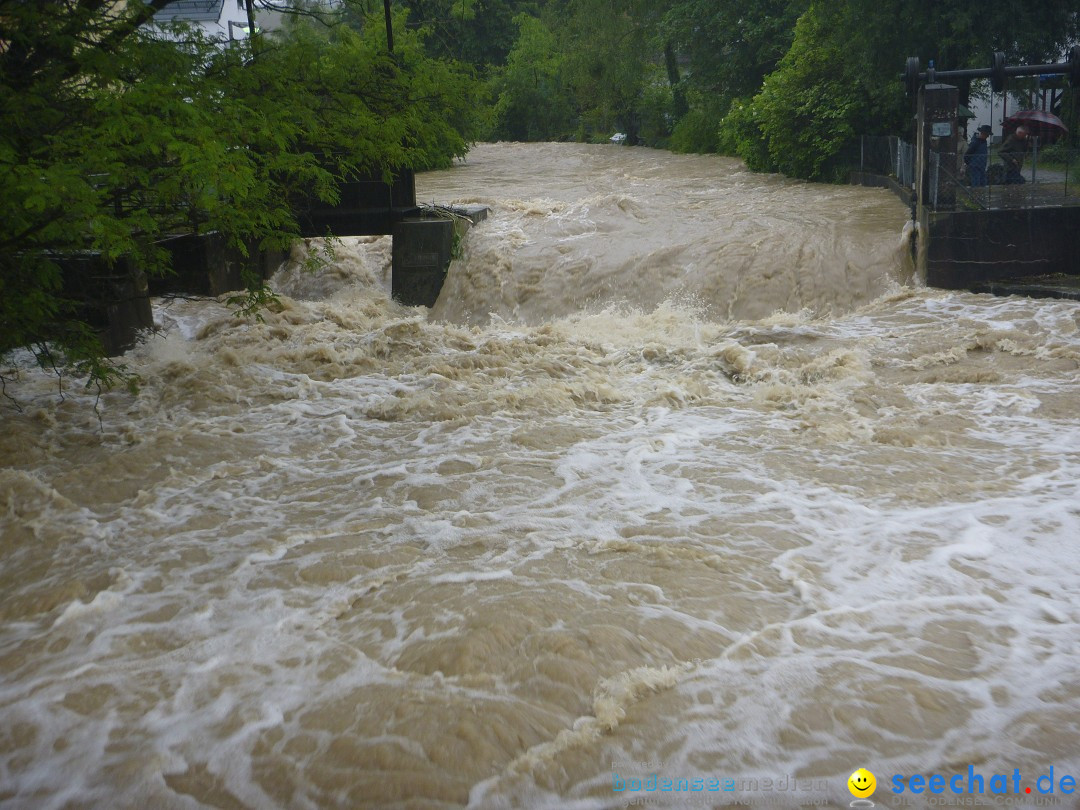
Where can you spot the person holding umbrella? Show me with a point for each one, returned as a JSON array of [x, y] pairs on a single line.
[[1041, 124], [1012, 154], [977, 155]]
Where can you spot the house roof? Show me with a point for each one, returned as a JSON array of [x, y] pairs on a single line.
[[191, 11]]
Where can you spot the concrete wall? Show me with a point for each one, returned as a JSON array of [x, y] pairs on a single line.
[[964, 249], [202, 265], [112, 299]]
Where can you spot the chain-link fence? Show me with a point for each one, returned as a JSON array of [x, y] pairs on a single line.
[[1006, 177], [888, 155]]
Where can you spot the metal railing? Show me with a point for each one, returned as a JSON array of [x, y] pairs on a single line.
[[1041, 176], [888, 155], [1048, 175]]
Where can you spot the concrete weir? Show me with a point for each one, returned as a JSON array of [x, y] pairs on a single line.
[[1015, 247]]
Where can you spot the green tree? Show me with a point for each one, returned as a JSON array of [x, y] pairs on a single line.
[[478, 32], [617, 70], [807, 107], [112, 137], [532, 103], [839, 77], [729, 48]]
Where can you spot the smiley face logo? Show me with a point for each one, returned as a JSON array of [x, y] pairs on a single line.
[[862, 783]]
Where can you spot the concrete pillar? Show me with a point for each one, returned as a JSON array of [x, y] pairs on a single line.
[[937, 133], [112, 299], [936, 128], [421, 255], [424, 247]]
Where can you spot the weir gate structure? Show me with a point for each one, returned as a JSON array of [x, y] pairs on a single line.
[[115, 300], [1015, 234]]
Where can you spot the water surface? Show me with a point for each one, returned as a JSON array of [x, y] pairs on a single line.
[[681, 476]]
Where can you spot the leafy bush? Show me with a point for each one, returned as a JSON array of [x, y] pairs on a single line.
[[532, 103], [741, 135], [699, 130], [808, 106]]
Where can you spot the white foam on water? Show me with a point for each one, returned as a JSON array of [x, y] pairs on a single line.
[[358, 556]]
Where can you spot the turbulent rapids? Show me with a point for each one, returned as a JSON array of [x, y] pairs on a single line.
[[683, 477]]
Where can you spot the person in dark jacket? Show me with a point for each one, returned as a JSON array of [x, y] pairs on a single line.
[[1012, 154], [977, 155]]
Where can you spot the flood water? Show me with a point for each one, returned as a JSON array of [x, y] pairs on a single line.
[[683, 477]]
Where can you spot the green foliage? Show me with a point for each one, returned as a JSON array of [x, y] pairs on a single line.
[[478, 32], [656, 108], [807, 107], [699, 129], [611, 60], [112, 137], [731, 46], [531, 100], [741, 135]]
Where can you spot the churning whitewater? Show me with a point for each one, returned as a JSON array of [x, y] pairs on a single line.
[[683, 478]]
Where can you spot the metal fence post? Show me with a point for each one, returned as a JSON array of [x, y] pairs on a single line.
[[935, 168], [1068, 166]]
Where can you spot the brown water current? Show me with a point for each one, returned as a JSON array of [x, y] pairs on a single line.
[[683, 477]]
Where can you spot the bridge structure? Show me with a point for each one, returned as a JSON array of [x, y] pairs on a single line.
[[115, 299], [424, 236]]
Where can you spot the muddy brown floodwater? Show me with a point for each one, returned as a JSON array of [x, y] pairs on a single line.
[[682, 479]]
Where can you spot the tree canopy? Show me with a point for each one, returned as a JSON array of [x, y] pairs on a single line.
[[782, 83], [113, 136]]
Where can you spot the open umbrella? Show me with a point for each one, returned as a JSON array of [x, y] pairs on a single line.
[[1038, 122]]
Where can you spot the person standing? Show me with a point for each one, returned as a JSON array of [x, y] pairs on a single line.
[[1012, 154], [977, 156]]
